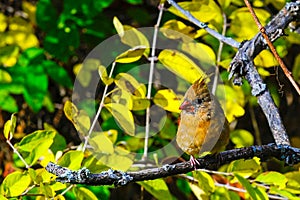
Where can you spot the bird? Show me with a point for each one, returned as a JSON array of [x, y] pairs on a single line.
[[203, 126]]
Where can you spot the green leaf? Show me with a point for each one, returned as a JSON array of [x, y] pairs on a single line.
[[35, 139], [168, 100], [9, 55], [116, 161], [255, 193], [131, 55], [123, 116], [71, 159], [84, 193], [244, 168], [272, 178], [36, 89], [101, 143], [181, 65], [158, 188], [46, 15], [16, 183], [9, 127], [57, 73], [241, 138], [205, 181], [35, 145], [7, 102], [31, 56], [296, 68]]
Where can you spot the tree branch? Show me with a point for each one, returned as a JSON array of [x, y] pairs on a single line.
[[285, 153], [242, 65]]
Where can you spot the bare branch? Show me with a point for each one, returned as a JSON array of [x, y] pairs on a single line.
[[286, 153]]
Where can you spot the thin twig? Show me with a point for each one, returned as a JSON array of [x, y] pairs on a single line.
[[18, 154], [150, 79], [214, 88], [262, 29], [99, 110], [212, 32]]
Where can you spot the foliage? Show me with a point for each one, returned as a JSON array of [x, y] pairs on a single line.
[[46, 49]]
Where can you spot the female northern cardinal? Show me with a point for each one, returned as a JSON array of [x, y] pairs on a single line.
[[203, 126]]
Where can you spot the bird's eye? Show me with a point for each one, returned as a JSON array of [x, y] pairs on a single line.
[[200, 100]]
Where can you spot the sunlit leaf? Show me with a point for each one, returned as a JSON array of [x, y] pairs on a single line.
[[181, 65], [168, 100], [158, 188], [232, 102], [255, 193], [242, 23], [265, 59], [72, 160], [30, 10], [9, 127], [120, 160], [175, 29], [198, 192], [80, 119], [241, 138], [131, 36], [9, 55], [16, 183], [123, 116], [101, 143], [35, 139], [205, 181], [3, 22], [84, 193], [244, 168], [103, 75], [131, 55], [272, 178], [203, 10], [118, 26], [202, 52]]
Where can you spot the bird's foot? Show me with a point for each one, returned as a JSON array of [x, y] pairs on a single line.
[[194, 162]]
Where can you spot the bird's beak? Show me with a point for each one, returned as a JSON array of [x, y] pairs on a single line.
[[185, 105]]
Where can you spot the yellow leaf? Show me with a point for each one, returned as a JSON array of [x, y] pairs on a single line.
[[181, 65], [204, 10], [103, 75], [101, 143], [139, 103], [232, 101], [265, 59], [3, 22], [131, 55], [242, 24], [118, 26], [5, 77], [202, 52], [123, 116], [175, 29], [131, 36], [128, 83], [30, 9], [80, 119], [117, 162], [168, 100]]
